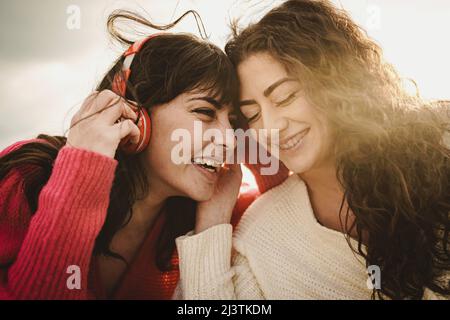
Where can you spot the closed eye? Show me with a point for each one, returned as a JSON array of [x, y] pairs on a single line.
[[253, 118], [288, 100], [206, 111]]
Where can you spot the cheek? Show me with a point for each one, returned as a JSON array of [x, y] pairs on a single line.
[[322, 139], [182, 179], [317, 146], [159, 152], [160, 142]]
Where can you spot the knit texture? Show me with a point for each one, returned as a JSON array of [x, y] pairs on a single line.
[[278, 251], [71, 211], [37, 248]]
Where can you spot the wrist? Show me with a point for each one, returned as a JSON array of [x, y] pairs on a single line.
[[202, 226]]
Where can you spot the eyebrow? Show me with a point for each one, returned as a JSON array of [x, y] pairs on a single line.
[[210, 100], [246, 102], [268, 91], [275, 85]]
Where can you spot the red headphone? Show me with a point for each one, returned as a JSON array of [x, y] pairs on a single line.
[[119, 86]]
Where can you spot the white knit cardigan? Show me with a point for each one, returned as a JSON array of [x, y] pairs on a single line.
[[278, 251]]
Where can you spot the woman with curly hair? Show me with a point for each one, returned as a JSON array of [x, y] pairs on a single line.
[[370, 188]]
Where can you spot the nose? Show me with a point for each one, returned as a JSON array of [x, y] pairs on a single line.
[[226, 138], [273, 119], [221, 135]]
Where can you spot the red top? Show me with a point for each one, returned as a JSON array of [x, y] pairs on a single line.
[[37, 249]]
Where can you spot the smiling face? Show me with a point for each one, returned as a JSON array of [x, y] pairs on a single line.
[[190, 180], [272, 99]]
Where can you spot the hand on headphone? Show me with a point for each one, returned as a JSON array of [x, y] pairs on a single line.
[[102, 122]]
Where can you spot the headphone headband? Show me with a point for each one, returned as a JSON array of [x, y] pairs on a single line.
[[119, 84]]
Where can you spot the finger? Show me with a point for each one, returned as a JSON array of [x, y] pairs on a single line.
[[81, 113], [94, 104], [235, 167], [89, 99], [120, 111], [127, 129], [225, 168], [231, 168], [102, 101]]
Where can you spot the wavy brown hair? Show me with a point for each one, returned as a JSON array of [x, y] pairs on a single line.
[[167, 66], [391, 157]]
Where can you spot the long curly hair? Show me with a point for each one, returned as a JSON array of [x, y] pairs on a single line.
[[391, 156]]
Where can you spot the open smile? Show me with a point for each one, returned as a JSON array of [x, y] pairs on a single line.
[[295, 141], [208, 167]]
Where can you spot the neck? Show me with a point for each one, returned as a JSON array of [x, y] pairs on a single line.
[[147, 209], [326, 195], [145, 212], [322, 179]]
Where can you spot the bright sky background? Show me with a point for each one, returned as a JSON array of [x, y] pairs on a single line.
[[48, 69]]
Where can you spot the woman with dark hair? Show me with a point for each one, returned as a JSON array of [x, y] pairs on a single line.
[[96, 214], [370, 191]]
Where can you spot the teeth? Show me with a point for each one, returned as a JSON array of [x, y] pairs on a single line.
[[290, 143], [293, 142], [209, 162]]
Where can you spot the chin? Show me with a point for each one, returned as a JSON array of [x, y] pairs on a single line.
[[299, 165], [200, 195], [298, 168]]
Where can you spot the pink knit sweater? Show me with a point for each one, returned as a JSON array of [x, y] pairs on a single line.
[[36, 250]]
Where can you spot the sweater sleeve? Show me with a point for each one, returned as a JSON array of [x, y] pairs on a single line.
[[209, 270], [61, 234]]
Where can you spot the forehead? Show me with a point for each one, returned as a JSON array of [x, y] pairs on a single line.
[[258, 72]]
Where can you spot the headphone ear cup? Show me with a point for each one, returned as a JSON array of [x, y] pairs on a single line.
[[145, 127]]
